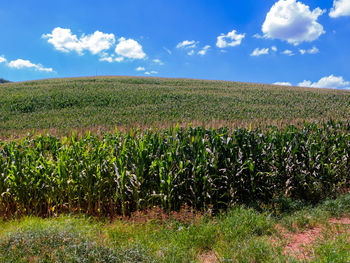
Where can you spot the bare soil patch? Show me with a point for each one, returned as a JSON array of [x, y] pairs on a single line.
[[209, 257]]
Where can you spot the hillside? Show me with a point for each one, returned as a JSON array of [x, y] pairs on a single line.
[[3, 81], [103, 103]]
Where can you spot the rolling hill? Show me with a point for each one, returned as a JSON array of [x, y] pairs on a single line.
[[102, 103]]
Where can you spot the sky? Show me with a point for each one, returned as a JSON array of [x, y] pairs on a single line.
[[287, 42]]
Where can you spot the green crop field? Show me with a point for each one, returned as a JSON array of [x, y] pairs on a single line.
[[102, 103], [172, 170]]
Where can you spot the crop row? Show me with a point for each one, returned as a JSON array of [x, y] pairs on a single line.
[[197, 167]]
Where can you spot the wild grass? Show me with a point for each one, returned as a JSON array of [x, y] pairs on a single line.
[[239, 235]]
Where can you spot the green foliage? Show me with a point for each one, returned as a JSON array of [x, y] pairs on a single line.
[[203, 169], [107, 102], [57, 245]]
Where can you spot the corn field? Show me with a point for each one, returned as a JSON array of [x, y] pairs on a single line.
[[201, 168]]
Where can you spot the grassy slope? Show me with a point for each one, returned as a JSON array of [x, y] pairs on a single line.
[[105, 102], [241, 235]]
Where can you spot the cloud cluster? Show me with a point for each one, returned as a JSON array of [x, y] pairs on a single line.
[[97, 44], [151, 72], [21, 63], [231, 39], [293, 22], [187, 44], [340, 8], [313, 50], [258, 52], [288, 52], [191, 45], [63, 40], [330, 82]]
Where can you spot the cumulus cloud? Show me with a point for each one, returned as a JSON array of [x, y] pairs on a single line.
[[258, 52], [21, 63], [283, 83], [340, 8], [63, 40], [288, 52], [231, 39], [187, 44], [274, 48], [313, 50], [129, 48], [2, 59], [158, 61], [204, 50], [330, 82], [140, 69], [293, 22]]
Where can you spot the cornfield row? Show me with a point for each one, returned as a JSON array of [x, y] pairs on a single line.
[[196, 167]]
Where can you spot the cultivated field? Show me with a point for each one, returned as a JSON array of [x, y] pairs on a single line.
[[171, 170], [102, 103]]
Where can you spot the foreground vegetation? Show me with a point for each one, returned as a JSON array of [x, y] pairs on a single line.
[[102, 103], [240, 235], [195, 167]]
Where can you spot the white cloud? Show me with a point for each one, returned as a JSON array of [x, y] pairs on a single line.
[[20, 63], [107, 59], [63, 40], [305, 83], [204, 50], [313, 50], [158, 61], [258, 52], [151, 73], [119, 59], [293, 22], [340, 8], [129, 48], [140, 69], [187, 44], [283, 83], [2, 59], [97, 42], [190, 53], [330, 82], [274, 48], [288, 52], [111, 58], [231, 39]]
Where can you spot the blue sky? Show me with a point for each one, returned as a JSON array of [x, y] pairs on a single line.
[[294, 42]]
